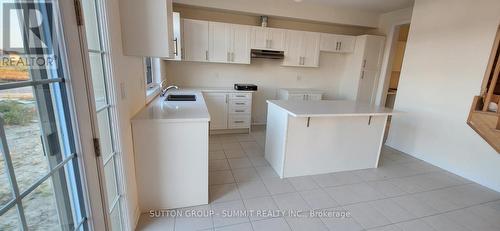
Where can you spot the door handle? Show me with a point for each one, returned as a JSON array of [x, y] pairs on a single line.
[[206, 55]]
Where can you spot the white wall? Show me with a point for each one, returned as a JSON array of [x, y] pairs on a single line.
[[289, 9], [268, 74], [127, 72], [446, 56]]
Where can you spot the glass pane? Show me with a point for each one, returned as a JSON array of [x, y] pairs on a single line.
[[40, 208], [98, 79], [9, 221], [116, 223], [91, 28], [110, 176], [105, 133], [22, 128], [5, 189]]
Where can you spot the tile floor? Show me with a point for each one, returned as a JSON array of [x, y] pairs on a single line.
[[402, 194]]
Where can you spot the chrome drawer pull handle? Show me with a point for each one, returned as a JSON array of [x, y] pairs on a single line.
[[240, 103], [239, 122], [239, 110]]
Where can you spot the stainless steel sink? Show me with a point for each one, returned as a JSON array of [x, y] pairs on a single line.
[[180, 98]]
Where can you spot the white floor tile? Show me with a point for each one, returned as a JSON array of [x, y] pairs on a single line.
[[392, 211], [276, 185], [415, 206], [242, 162], [415, 225], [367, 215], [245, 174], [220, 177], [217, 155], [217, 165], [148, 223], [318, 199], [306, 224], [303, 183], [258, 161], [443, 223], [291, 202], [338, 221], [238, 227], [355, 193], [273, 224], [224, 192], [189, 222], [251, 189], [261, 207], [225, 213]]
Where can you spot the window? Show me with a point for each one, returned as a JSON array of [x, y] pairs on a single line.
[[148, 62]]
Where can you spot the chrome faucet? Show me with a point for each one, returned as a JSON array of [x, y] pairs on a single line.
[[164, 91]]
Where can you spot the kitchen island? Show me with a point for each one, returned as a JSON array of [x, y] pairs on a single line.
[[316, 137], [171, 152]]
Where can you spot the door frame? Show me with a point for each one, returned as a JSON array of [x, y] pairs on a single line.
[[83, 122], [388, 58]]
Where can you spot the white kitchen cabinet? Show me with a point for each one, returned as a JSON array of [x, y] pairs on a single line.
[[337, 43], [300, 94], [363, 69], [302, 49], [195, 40], [229, 110], [266, 38], [147, 28], [177, 37], [229, 43], [217, 104]]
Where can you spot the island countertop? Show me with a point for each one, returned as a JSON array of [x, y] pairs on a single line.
[[326, 108], [175, 111]]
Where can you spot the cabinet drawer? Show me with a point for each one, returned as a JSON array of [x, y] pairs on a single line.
[[239, 110], [240, 95], [238, 121], [240, 103]]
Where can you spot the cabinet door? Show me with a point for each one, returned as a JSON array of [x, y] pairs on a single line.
[[373, 52], [329, 43], [219, 42], [147, 28], [177, 36], [195, 40], [346, 43], [276, 39], [293, 50], [310, 46], [296, 96], [314, 96], [240, 44], [217, 108], [259, 38], [366, 86]]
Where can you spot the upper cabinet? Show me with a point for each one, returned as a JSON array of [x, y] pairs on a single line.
[[337, 43], [268, 38], [195, 40], [147, 28], [302, 49], [177, 36], [229, 43]]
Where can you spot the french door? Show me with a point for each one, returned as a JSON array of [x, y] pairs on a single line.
[[41, 183], [103, 110]]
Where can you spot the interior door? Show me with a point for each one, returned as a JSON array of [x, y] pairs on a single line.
[[240, 44], [195, 40], [217, 104], [366, 86], [219, 37]]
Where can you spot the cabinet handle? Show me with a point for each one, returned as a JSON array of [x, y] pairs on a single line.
[[340, 46], [239, 122], [206, 55], [239, 110], [240, 103], [227, 99], [270, 43], [364, 63], [228, 56], [232, 56], [337, 46], [240, 96], [176, 51], [362, 74]]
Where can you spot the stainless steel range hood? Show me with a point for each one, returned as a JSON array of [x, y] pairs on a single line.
[[267, 54]]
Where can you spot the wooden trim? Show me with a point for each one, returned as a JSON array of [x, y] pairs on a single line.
[[493, 84], [489, 68]]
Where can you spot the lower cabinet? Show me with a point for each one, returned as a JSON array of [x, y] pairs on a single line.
[[229, 110], [300, 94]]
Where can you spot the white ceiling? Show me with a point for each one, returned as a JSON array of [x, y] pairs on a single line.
[[379, 6]]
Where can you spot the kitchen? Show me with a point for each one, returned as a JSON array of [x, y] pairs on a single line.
[[282, 111]]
